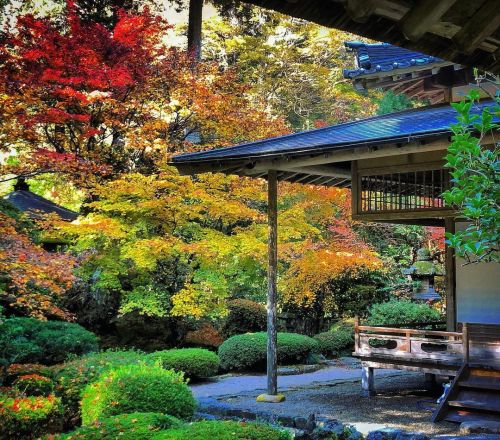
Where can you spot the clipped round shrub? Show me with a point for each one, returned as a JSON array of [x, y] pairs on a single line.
[[49, 342], [223, 430], [34, 385], [249, 351], [137, 388], [29, 417], [333, 342], [133, 426], [244, 316], [195, 363], [205, 336], [72, 377], [404, 312]]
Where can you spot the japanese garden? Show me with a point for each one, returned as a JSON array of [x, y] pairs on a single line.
[[254, 220]]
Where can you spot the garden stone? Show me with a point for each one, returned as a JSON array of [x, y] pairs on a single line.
[[305, 424], [486, 427], [205, 416], [328, 428], [354, 434], [411, 436], [384, 434], [286, 421]]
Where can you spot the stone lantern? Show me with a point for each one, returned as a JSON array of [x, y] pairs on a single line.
[[423, 271]]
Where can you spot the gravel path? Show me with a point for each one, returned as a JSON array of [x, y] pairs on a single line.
[[236, 384], [401, 402]]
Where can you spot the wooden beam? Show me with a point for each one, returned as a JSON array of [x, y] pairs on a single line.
[[344, 155], [318, 170], [484, 23], [367, 380], [272, 271], [354, 189], [359, 10], [419, 19], [395, 216], [450, 280]]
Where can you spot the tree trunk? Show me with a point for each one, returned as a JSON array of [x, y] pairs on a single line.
[[194, 27]]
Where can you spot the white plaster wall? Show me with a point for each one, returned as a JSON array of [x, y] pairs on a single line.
[[477, 291]]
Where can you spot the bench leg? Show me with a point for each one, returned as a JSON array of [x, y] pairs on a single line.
[[368, 381]]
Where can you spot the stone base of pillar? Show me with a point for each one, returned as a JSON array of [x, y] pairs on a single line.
[[271, 398]]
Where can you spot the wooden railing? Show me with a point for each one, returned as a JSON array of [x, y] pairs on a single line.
[[410, 343]]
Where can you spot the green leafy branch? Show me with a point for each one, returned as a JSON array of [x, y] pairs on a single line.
[[473, 157]]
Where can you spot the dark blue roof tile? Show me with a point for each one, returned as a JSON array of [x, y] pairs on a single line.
[[384, 57], [403, 126]]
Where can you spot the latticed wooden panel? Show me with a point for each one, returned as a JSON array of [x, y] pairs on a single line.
[[403, 191]]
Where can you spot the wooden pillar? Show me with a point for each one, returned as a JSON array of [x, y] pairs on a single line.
[[367, 380], [451, 305], [272, 343], [194, 27]]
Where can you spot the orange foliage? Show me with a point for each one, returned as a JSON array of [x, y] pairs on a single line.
[[33, 278]]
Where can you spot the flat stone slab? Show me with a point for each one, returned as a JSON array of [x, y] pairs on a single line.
[[271, 398]]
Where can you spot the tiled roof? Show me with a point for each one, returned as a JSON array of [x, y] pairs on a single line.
[[34, 205], [384, 57], [403, 127]]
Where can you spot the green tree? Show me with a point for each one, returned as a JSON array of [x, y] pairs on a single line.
[[475, 170]]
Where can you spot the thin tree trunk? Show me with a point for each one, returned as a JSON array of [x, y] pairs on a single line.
[[194, 27]]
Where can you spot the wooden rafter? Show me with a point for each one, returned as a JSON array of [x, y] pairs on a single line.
[[484, 23], [419, 19]]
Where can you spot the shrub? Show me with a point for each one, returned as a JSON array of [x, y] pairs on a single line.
[[16, 370], [241, 352], [34, 385], [206, 336], [29, 417], [134, 426], [402, 312], [339, 338], [195, 363], [244, 316], [223, 430], [48, 342], [72, 377], [135, 388]]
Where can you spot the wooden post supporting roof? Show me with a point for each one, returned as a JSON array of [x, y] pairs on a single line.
[[272, 377], [272, 275], [450, 288]]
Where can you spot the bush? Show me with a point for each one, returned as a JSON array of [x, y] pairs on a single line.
[[242, 352], [206, 336], [340, 337], [244, 316], [16, 370], [34, 385], [134, 426], [135, 388], [29, 417], [223, 430], [72, 377], [195, 363], [145, 426], [402, 312], [47, 342]]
